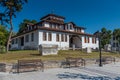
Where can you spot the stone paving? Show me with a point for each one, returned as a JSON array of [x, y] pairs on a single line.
[[90, 72]]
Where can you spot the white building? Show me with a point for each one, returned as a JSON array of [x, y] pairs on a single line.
[[53, 30], [115, 45]]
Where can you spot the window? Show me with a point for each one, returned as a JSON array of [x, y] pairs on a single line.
[[44, 36], [13, 41], [56, 26], [27, 38], [113, 38], [30, 28], [80, 30], [50, 25], [115, 44], [57, 37], [88, 40], [49, 37], [32, 37], [62, 37], [65, 38], [93, 40], [53, 26], [70, 26], [67, 27], [85, 40], [16, 41], [22, 41]]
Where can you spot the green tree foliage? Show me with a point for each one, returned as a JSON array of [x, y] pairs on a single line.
[[11, 8], [23, 24], [105, 36], [116, 34], [3, 35]]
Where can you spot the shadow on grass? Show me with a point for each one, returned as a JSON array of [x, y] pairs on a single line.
[[68, 75], [35, 54]]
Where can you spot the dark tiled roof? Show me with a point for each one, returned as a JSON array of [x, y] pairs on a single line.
[[56, 30], [54, 21], [76, 25], [30, 24], [52, 15], [80, 27]]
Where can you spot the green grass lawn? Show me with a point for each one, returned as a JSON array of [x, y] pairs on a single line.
[[13, 56]]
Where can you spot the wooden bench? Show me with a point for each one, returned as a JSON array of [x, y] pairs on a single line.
[[28, 64], [76, 62], [106, 60]]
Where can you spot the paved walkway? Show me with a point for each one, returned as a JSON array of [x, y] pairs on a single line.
[[91, 72]]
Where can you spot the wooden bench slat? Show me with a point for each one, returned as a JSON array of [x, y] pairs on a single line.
[[75, 61], [23, 64]]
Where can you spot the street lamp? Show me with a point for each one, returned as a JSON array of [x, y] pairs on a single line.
[[100, 55], [98, 34]]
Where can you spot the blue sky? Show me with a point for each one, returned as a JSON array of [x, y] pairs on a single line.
[[92, 14]]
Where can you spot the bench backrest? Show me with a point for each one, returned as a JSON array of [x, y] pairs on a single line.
[[73, 59], [22, 62]]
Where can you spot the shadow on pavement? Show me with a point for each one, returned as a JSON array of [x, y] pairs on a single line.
[[68, 75]]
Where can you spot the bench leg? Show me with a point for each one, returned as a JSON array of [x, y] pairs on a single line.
[[18, 70]]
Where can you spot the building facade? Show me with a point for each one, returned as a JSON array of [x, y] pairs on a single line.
[[53, 30], [115, 44]]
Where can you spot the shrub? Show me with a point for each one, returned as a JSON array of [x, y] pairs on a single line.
[[2, 49]]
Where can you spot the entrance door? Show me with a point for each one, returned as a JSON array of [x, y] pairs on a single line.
[[75, 40]]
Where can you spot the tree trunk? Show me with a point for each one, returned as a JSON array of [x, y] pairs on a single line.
[[10, 34]]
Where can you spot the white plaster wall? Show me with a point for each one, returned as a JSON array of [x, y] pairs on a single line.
[[33, 44], [90, 44], [14, 46], [82, 30], [46, 24], [61, 45]]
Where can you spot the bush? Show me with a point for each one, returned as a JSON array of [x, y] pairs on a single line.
[[2, 49]]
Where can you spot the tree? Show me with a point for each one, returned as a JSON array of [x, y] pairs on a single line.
[[23, 24], [116, 36], [3, 18], [11, 8], [105, 36], [3, 35]]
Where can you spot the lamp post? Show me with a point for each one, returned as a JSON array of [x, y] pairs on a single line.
[[100, 55], [98, 34]]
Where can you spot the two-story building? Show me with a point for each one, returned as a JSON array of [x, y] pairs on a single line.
[[53, 30], [114, 42]]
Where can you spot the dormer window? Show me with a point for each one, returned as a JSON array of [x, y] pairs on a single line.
[[70, 26], [30, 27], [50, 25]]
